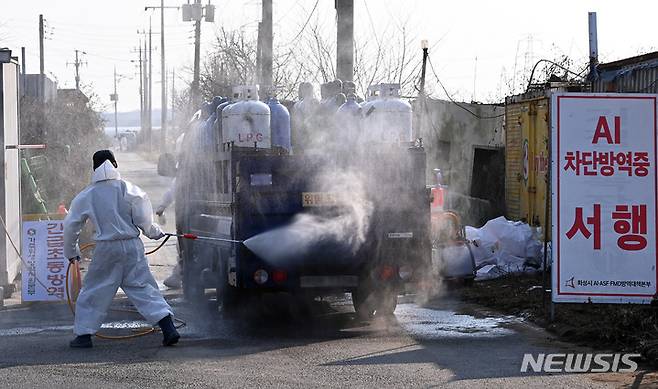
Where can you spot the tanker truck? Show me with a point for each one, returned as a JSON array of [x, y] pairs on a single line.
[[347, 212]]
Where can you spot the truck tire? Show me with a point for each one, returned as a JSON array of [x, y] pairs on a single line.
[[387, 303], [368, 303], [192, 284], [227, 295]]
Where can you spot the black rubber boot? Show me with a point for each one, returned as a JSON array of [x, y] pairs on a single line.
[[81, 341], [169, 333]]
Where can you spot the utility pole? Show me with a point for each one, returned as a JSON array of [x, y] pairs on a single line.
[[163, 77], [423, 97], [41, 92], [24, 66], [163, 109], [345, 40], [195, 12], [267, 41], [141, 87], [423, 45], [77, 76], [77, 64], [149, 97], [259, 55], [593, 46], [148, 83], [115, 98], [197, 58], [173, 94]]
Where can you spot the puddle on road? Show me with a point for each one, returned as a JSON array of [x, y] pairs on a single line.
[[32, 330], [430, 324], [418, 322], [126, 324], [121, 324]]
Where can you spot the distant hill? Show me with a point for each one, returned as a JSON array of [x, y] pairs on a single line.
[[129, 119]]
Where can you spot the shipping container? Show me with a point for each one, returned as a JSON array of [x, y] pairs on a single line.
[[527, 124]]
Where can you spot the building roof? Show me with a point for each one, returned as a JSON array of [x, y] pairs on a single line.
[[638, 59]]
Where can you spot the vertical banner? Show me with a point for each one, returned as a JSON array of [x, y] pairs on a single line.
[[604, 197], [44, 273]]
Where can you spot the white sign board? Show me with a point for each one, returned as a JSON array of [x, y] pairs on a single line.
[[44, 273], [604, 197]]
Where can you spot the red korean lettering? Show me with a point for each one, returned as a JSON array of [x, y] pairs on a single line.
[[55, 291], [605, 162], [632, 231], [55, 267], [55, 228], [579, 225], [573, 161], [624, 162], [56, 279], [641, 163], [588, 162]]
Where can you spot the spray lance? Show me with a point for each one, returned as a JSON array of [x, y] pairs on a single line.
[[191, 237], [197, 237]]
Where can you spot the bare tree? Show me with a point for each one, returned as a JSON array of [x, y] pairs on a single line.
[[311, 57], [231, 61], [384, 58], [74, 130]]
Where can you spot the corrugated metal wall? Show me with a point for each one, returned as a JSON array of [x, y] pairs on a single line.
[[636, 81]]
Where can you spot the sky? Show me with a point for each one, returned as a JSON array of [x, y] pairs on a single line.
[[475, 44]]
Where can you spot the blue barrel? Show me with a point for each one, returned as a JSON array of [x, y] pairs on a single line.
[[207, 138], [218, 115], [206, 110], [279, 124]]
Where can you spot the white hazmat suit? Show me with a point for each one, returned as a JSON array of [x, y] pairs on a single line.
[[118, 210]]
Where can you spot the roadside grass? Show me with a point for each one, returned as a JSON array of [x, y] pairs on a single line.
[[617, 327]]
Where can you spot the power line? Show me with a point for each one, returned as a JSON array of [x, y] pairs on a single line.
[[285, 15], [108, 58], [372, 24], [455, 102], [310, 15], [532, 73]]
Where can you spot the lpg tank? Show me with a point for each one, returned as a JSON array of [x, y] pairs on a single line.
[[302, 113], [207, 138], [246, 123], [366, 106], [349, 118], [279, 122], [307, 104], [218, 118], [332, 97], [387, 118]]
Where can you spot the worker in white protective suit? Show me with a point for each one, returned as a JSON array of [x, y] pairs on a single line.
[[118, 210], [174, 280]]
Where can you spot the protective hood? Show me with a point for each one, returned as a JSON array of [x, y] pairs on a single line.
[[106, 171]]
